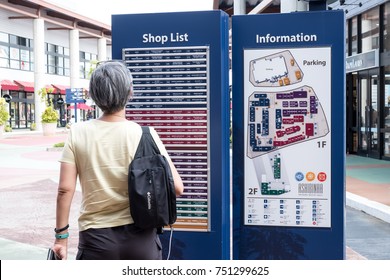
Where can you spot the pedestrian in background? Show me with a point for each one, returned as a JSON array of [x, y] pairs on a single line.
[[99, 152], [89, 115], [72, 120]]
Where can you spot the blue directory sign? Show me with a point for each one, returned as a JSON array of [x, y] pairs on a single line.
[[289, 134], [74, 95], [180, 72]]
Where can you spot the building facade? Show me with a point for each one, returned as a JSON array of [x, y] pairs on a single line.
[[368, 77], [43, 46]]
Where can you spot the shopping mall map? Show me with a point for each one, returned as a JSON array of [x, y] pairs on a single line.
[[287, 131], [277, 120], [275, 70]]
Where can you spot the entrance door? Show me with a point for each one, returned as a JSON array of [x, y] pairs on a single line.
[[368, 113], [351, 113], [22, 109]]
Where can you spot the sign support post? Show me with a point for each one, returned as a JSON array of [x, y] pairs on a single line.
[[74, 95]]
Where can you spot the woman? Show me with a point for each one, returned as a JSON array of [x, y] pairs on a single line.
[[99, 153]]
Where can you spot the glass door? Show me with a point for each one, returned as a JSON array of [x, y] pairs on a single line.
[[363, 116], [374, 116], [368, 87], [386, 115], [22, 109], [351, 113]]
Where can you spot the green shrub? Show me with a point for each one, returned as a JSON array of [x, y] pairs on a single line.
[[59, 145], [33, 126], [49, 115], [8, 128], [4, 115]]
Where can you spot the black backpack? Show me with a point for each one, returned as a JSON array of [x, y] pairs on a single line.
[[151, 189]]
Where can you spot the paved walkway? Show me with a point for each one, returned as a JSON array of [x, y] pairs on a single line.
[[29, 176], [368, 186], [28, 188]]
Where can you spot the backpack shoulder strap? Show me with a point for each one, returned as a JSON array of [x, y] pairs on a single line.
[[147, 146]]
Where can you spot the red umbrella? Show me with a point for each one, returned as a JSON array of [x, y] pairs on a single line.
[[81, 106]]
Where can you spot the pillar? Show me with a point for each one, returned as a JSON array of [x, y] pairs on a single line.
[[239, 7], [288, 6], [74, 53], [39, 68], [102, 49]]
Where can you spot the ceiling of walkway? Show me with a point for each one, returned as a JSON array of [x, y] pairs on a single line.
[[228, 6]]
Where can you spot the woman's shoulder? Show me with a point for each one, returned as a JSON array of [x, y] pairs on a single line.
[[99, 123], [96, 129]]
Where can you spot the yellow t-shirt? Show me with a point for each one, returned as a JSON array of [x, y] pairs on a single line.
[[102, 152]]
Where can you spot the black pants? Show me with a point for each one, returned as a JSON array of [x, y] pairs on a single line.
[[119, 243]]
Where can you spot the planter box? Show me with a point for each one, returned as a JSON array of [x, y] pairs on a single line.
[[49, 129]]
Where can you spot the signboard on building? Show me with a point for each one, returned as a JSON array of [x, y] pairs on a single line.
[[362, 61]]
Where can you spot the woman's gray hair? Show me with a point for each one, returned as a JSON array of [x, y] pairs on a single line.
[[111, 86]]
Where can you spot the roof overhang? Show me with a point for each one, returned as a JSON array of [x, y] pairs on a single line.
[[58, 17]]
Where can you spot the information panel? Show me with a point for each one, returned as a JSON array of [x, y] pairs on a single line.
[[288, 137], [171, 94], [180, 64]]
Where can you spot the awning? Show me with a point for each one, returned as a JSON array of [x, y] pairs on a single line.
[[8, 85], [81, 106], [26, 86], [60, 88], [50, 87]]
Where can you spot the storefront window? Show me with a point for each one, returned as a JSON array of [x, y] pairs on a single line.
[[16, 52], [387, 145], [346, 39], [15, 64], [4, 56], [386, 29], [56, 57], [85, 65], [67, 66], [4, 37], [22, 109], [363, 113], [354, 33], [15, 58], [386, 112], [386, 101], [25, 59], [370, 30]]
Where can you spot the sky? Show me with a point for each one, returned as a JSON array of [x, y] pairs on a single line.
[[101, 10]]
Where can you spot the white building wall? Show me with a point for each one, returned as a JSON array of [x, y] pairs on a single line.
[[19, 27], [56, 37], [24, 28], [89, 45], [12, 74]]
